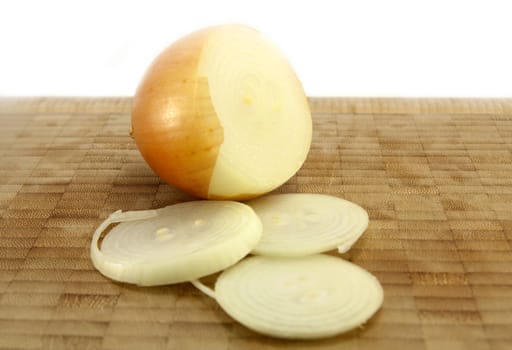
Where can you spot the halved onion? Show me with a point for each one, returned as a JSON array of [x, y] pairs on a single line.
[[175, 244], [221, 114], [303, 298], [303, 224]]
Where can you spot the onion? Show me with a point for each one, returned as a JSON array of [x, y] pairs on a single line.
[[309, 297], [303, 224], [175, 244], [293, 294], [220, 114]]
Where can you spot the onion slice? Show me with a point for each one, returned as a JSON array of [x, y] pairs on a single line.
[[176, 243], [300, 298], [304, 224]]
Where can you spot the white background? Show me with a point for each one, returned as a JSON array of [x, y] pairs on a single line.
[[338, 48]]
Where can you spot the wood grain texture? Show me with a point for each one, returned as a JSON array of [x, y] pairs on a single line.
[[434, 174]]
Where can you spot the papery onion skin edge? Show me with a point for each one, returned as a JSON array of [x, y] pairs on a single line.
[[166, 120]]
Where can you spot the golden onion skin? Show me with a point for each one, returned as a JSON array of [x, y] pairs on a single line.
[[173, 120]]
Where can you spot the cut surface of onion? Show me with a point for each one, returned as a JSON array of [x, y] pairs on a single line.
[[310, 297], [212, 110], [298, 224], [176, 243]]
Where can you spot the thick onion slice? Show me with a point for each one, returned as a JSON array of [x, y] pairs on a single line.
[[176, 243], [301, 298], [304, 224]]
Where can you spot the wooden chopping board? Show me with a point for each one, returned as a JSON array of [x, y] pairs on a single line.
[[434, 174]]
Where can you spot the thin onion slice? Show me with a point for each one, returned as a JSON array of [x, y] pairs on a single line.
[[298, 224], [175, 244], [300, 298]]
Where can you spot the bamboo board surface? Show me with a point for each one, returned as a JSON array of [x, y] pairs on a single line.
[[434, 174]]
